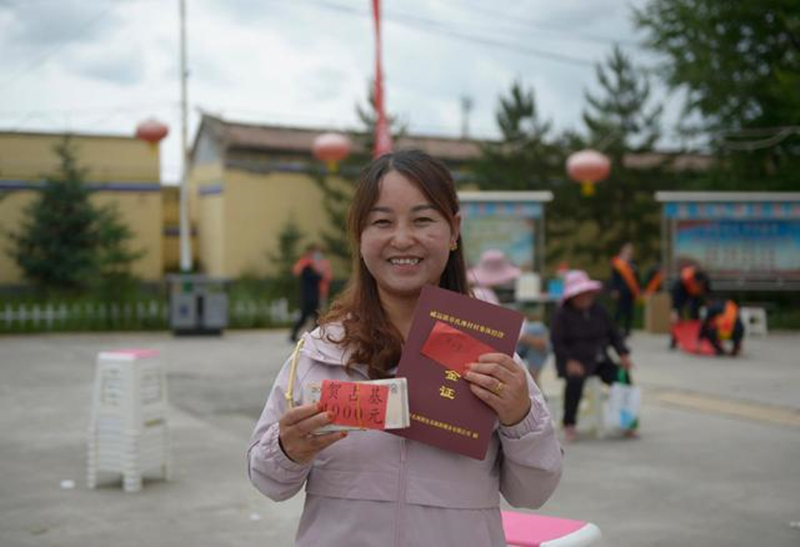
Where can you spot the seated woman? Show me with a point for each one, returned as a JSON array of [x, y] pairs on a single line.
[[581, 332]]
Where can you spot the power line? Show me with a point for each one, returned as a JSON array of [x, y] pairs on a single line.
[[749, 146], [472, 39], [91, 110], [98, 116], [548, 27], [437, 28]]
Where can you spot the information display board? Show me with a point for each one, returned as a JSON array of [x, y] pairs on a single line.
[[512, 222], [763, 249], [747, 241]]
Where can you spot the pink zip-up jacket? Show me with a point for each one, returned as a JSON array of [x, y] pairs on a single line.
[[376, 489]]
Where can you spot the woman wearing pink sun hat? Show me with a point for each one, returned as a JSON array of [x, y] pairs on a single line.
[[581, 332], [578, 282], [494, 270]]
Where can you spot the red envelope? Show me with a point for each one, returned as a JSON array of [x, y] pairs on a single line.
[[452, 348], [355, 404]]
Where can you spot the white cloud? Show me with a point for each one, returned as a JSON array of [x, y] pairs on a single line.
[[104, 65]]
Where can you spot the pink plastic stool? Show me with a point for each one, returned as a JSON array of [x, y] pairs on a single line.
[[527, 530]]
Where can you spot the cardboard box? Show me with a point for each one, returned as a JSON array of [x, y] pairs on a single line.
[[656, 313]]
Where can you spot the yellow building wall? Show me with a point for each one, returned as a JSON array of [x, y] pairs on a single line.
[[257, 207], [141, 212], [202, 176], [12, 207], [30, 156], [129, 166], [210, 235]]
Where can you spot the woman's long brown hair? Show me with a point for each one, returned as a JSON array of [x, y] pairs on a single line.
[[374, 341]]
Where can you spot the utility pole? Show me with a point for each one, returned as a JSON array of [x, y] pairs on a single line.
[[466, 107], [185, 228]]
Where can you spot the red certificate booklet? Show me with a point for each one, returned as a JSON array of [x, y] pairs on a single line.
[[449, 331]]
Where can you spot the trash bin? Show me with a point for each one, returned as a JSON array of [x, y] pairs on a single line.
[[198, 304]]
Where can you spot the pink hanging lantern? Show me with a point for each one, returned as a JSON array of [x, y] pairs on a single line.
[[152, 131], [588, 167], [332, 148]]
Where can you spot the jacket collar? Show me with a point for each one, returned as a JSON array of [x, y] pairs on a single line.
[[318, 346]]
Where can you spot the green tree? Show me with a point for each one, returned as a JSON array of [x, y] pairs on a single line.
[[113, 257], [739, 65], [619, 116], [368, 115], [284, 283], [289, 239], [337, 189], [531, 157], [64, 242], [55, 246], [620, 120], [523, 159]]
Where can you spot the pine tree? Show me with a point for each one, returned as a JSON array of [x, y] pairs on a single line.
[[337, 190], [368, 115], [529, 157], [284, 282], [523, 159], [55, 246], [67, 244], [620, 120], [337, 193], [113, 257], [288, 252]]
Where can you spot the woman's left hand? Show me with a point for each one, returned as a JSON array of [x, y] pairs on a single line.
[[625, 362], [497, 380]]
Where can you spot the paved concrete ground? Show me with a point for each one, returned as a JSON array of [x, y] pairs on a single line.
[[717, 462]]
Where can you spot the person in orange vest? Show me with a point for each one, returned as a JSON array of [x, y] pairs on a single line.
[[625, 288], [690, 291], [314, 271], [721, 323]]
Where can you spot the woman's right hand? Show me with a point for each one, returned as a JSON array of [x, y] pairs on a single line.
[[297, 440]]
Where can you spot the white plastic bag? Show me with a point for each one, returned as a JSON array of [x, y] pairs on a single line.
[[622, 407]]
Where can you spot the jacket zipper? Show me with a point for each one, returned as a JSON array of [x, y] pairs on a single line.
[[401, 495]]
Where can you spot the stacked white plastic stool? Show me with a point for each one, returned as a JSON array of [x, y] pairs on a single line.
[[128, 432]]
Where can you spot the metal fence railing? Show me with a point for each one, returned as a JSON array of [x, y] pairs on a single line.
[[151, 314]]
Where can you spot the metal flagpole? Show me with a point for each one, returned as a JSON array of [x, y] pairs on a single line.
[[185, 230]]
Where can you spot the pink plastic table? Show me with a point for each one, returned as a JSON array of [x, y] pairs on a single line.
[[527, 530]]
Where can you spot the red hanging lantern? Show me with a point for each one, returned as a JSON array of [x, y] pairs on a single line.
[[332, 148], [588, 167], [152, 131]]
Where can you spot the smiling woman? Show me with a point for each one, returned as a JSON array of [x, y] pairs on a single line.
[[405, 223], [406, 241], [374, 488]]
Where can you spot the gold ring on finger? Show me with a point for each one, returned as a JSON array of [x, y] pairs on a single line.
[[498, 388]]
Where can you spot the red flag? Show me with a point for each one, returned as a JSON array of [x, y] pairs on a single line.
[[383, 138]]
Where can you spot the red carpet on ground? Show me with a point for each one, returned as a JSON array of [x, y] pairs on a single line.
[[686, 333]]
